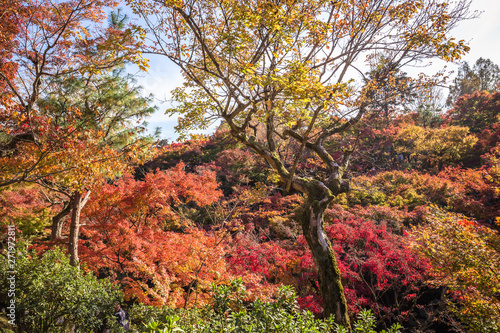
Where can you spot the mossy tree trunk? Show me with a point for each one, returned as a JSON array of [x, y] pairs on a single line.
[[329, 278], [318, 195]]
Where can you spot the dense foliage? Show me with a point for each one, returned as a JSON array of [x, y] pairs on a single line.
[[316, 201], [51, 295], [230, 314], [211, 213]]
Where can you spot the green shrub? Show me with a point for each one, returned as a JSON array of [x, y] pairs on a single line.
[[51, 295], [230, 313]]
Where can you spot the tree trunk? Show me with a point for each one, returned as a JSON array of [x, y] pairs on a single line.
[[58, 221], [78, 202], [329, 277]]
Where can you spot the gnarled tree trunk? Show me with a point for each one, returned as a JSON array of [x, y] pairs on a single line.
[[311, 219], [319, 194]]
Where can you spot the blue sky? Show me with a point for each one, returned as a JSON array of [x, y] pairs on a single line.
[[482, 35]]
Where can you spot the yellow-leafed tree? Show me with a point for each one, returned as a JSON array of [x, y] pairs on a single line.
[[278, 73]]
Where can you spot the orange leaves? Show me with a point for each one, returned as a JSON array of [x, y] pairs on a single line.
[[128, 229], [65, 153], [46, 42], [466, 258], [492, 169], [161, 265], [171, 188], [158, 200]]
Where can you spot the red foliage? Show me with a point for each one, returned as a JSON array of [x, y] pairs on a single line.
[[477, 111], [27, 208], [488, 139], [271, 259], [311, 303], [379, 270], [376, 265], [128, 238]]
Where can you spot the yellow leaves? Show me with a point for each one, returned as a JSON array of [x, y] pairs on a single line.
[[439, 145], [465, 258], [172, 3], [248, 69], [249, 53], [85, 32], [274, 177], [143, 64]]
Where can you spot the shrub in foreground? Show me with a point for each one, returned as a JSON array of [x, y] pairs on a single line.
[[230, 313], [51, 295]]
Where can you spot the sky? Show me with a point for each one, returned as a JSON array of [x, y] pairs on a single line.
[[482, 35]]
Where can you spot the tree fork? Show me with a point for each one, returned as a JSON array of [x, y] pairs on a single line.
[[58, 221]]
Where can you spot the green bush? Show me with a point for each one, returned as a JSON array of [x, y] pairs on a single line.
[[230, 313], [51, 295]]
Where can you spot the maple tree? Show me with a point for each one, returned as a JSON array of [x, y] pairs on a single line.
[[434, 147], [277, 72], [60, 125], [465, 257], [51, 41], [478, 111], [132, 231]]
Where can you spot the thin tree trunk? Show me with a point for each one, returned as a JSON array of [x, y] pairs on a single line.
[[329, 277], [78, 202], [58, 221]]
